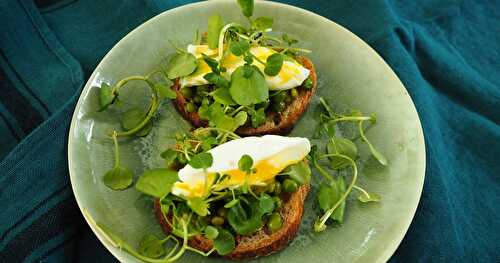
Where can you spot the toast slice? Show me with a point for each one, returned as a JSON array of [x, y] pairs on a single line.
[[263, 242], [276, 123]]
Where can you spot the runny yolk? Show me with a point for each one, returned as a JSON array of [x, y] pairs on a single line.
[[264, 172]]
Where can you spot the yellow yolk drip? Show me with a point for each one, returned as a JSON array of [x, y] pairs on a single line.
[[287, 72], [264, 172], [196, 190]]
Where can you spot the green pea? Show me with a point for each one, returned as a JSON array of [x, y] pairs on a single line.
[[279, 97], [278, 106], [197, 99], [190, 107], [217, 221], [274, 223], [294, 92], [277, 188], [187, 92], [290, 186], [277, 201], [222, 212], [307, 84]]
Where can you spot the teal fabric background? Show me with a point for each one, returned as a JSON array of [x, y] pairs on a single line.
[[447, 53]]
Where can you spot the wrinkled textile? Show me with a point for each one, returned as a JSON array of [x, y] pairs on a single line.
[[447, 53]]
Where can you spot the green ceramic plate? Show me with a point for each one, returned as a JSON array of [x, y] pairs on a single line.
[[351, 75]]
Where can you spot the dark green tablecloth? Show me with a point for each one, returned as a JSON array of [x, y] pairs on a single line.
[[447, 53]]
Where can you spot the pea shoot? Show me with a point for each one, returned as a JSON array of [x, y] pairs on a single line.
[[341, 154]]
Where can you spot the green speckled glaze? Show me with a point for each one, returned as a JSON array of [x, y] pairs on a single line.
[[351, 75]]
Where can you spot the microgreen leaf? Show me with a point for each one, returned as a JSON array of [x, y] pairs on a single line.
[[262, 23], [369, 197], [328, 195], [118, 178], [151, 246], [266, 204], [170, 155], [201, 160], [215, 24], [239, 48], [165, 91], [273, 64], [198, 205], [245, 163], [156, 182], [217, 80], [299, 172], [343, 146], [132, 118], [290, 41], [240, 118], [246, 7], [180, 65], [232, 203], [258, 117], [245, 223], [212, 63], [211, 232], [378, 155], [224, 243], [223, 96], [247, 90], [106, 96]]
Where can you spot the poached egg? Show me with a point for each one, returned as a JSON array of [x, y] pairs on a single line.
[[291, 75], [270, 153]]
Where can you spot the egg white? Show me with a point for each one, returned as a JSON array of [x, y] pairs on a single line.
[[291, 75], [270, 153]]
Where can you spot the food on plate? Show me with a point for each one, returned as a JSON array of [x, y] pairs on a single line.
[[222, 194]]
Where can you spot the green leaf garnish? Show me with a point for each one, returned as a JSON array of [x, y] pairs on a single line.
[[132, 118], [217, 80], [342, 146], [151, 246], [290, 41], [266, 204], [170, 155], [201, 161], [198, 205], [232, 203], [299, 172], [273, 64], [245, 223], [263, 23], [180, 65], [248, 86], [239, 48], [165, 91], [224, 243], [211, 232], [329, 195], [118, 178], [106, 96], [222, 96], [215, 24], [246, 7], [258, 117], [157, 182], [245, 163]]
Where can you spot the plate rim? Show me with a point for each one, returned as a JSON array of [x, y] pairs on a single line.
[[394, 243]]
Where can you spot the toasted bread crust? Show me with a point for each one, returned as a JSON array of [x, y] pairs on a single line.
[[262, 242], [286, 120]]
